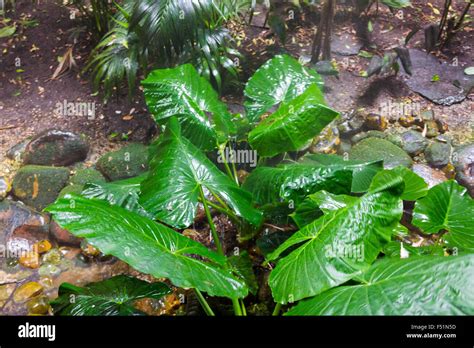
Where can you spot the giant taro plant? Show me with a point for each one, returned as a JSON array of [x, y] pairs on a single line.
[[348, 213]]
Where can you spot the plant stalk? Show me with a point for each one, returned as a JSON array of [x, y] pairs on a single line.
[[276, 310], [237, 308], [215, 235], [204, 303]]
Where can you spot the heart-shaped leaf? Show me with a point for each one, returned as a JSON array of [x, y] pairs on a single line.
[[338, 246], [292, 125], [279, 80], [423, 285], [181, 92], [415, 186], [293, 182], [447, 206], [124, 193], [362, 172], [178, 171], [147, 246], [113, 296]]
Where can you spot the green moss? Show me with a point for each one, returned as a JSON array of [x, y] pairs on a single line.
[[129, 161]]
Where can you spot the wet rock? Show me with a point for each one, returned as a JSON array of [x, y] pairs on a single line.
[[372, 149], [30, 259], [375, 122], [16, 152], [56, 147], [39, 186], [49, 270], [74, 189], [413, 142], [4, 187], [463, 158], [407, 121], [438, 154], [63, 236], [326, 142], [452, 87], [395, 139], [432, 129], [370, 134], [351, 123], [427, 115], [325, 67], [38, 305], [52, 257], [27, 291], [431, 176], [86, 175], [129, 161], [89, 250], [42, 246], [21, 227]]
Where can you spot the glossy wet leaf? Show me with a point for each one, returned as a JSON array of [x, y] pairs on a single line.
[[362, 172], [279, 80], [292, 125], [113, 296], [293, 182], [396, 3], [415, 186], [242, 266], [338, 246], [147, 246], [447, 206], [315, 204], [181, 92], [393, 249], [423, 285], [178, 170], [124, 193]]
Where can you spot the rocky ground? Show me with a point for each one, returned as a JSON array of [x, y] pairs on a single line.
[[44, 155]]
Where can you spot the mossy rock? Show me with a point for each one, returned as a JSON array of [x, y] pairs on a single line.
[[413, 142], [86, 175], [373, 149], [438, 154], [56, 148], [39, 186], [76, 189], [129, 161]]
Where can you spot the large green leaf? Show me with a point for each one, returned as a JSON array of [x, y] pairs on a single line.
[[396, 3], [447, 206], [181, 92], [415, 186], [362, 172], [113, 296], [423, 285], [338, 246], [280, 79], [124, 193], [292, 125], [317, 203], [178, 171], [147, 246], [293, 182]]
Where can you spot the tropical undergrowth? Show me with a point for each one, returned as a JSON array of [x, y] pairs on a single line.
[[342, 239]]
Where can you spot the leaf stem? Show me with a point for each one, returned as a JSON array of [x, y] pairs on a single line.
[[204, 303], [215, 235], [237, 308], [276, 310], [244, 310], [226, 165]]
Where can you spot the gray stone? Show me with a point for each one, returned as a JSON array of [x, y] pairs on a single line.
[[463, 160], [129, 161], [39, 186], [372, 149], [438, 154], [55, 147], [431, 176], [413, 142]]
